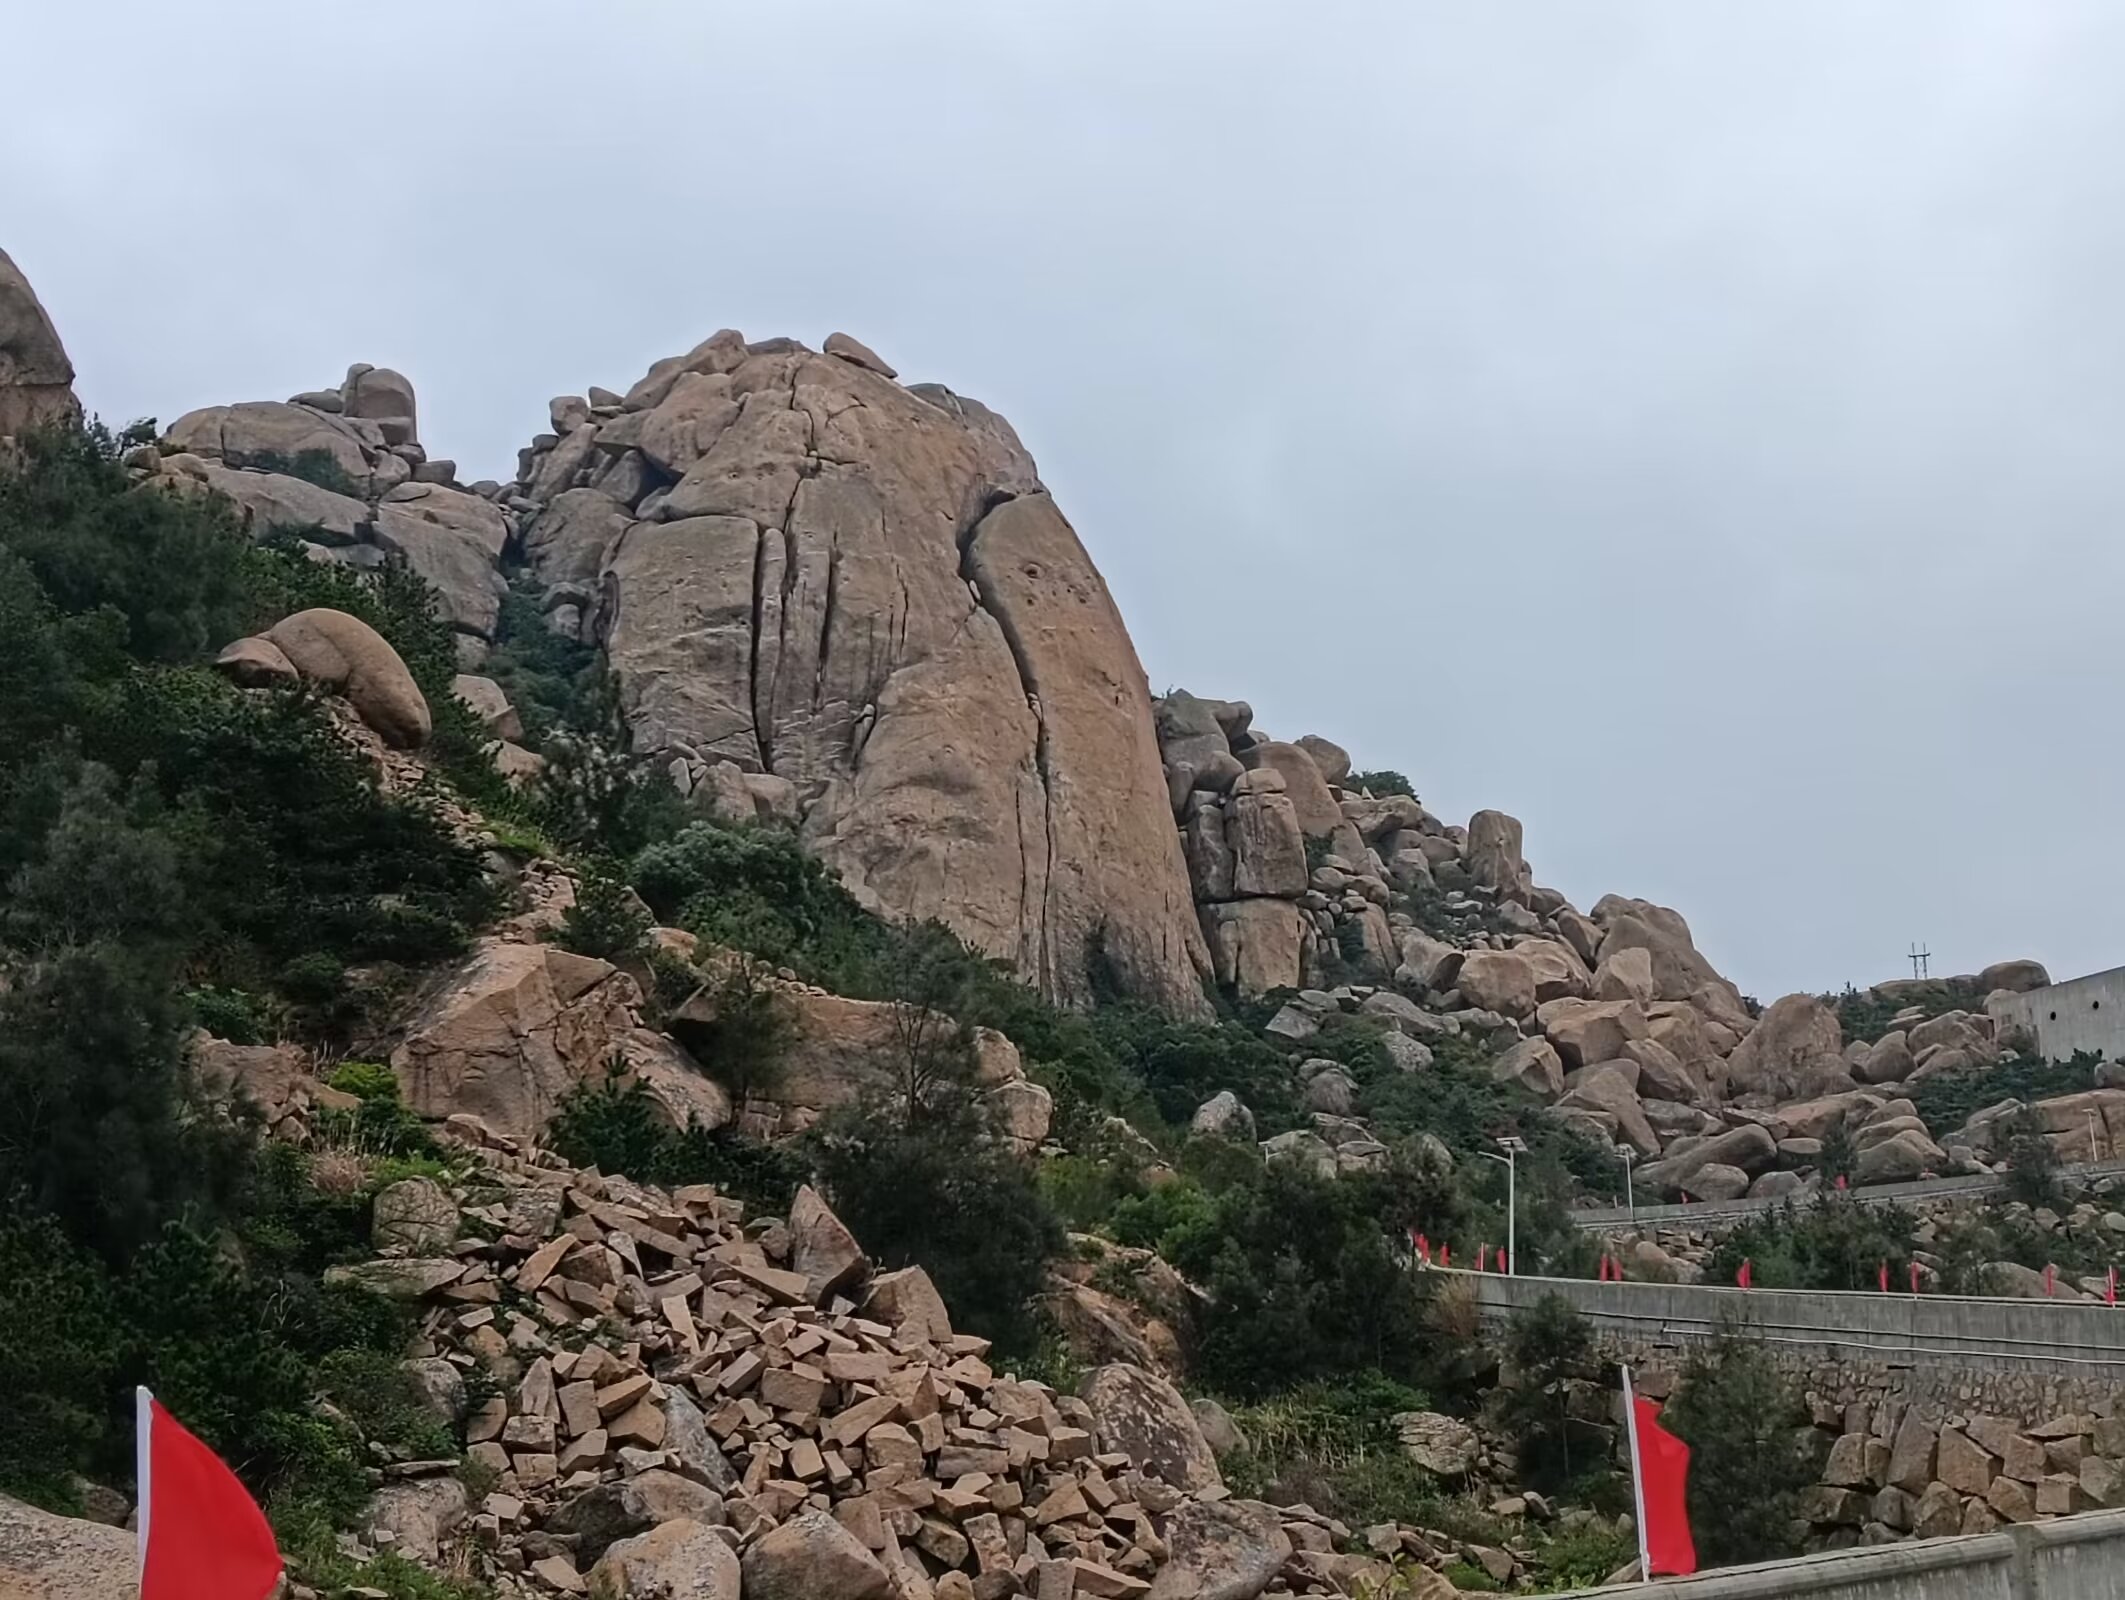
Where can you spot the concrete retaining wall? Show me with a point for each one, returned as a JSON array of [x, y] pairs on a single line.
[[2071, 1558], [1705, 1213], [1925, 1330], [1857, 1354]]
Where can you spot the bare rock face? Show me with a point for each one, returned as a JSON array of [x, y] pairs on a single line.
[[506, 1035], [809, 1556], [36, 379], [799, 566], [43, 1557]]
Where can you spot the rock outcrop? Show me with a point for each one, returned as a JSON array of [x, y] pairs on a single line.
[[36, 379], [799, 567], [342, 655], [43, 1557]]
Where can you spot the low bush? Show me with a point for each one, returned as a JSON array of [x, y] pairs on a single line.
[[615, 1126], [1750, 1455]]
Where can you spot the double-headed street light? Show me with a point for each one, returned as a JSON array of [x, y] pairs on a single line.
[[1512, 1146]]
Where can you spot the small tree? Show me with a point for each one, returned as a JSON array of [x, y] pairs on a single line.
[[2032, 1161], [1747, 1428], [933, 1057], [1840, 1156], [1551, 1348], [607, 920]]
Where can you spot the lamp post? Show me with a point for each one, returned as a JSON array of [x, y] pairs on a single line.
[[1512, 1147], [1630, 1193], [2095, 1153]]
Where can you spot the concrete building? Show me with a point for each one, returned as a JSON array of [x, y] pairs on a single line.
[[2067, 1018]]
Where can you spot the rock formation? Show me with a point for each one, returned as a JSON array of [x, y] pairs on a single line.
[[798, 567], [36, 379], [344, 471]]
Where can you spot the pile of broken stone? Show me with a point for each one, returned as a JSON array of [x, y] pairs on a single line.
[[671, 1398]]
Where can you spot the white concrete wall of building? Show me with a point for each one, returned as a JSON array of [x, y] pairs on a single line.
[[2067, 1018]]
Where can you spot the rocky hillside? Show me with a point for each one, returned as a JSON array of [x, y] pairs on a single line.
[[755, 809]]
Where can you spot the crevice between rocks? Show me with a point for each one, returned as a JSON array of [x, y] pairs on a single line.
[[970, 569]]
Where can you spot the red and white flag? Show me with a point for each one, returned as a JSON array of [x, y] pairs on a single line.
[[202, 1536], [1660, 1476]]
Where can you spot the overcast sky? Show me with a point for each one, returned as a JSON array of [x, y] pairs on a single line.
[[1697, 429]]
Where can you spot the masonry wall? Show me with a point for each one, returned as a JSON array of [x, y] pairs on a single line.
[[2028, 1361]]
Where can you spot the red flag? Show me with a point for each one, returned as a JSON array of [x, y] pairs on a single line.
[[1663, 1467], [1885, 1277], [1424, 1249], [1746, 1277], [2110, 1288], [1841, 1183], [1446, 1255], [202, 1537], [2051, 1280], [1504, 1265], [1483, 1258]]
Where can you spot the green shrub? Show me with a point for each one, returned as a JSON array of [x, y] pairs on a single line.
[[940, 1191], [616, 1127], [1836, 1244], [1949, 1099], [606, 921], [1551, 1347], [1382, 782], [1747, 1429]]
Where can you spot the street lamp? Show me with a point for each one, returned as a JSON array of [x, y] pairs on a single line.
[[2094, 1150], [1630, 1193], [1512, 1147]]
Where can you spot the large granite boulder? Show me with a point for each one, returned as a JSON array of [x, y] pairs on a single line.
[[1795, 1050], [507, 1034], [865, 589], [36, 379], [1141, 1415], [346, 656]]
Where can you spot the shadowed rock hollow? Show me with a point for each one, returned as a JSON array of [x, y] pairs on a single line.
[[801, 570]]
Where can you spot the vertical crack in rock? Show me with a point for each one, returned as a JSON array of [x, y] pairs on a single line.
[[970, 569], [761, 737], [826, 619]]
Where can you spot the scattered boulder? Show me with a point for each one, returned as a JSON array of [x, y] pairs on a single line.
[[812, 1557], [347, 656], [1226, 1550], [1494, 854], [1498, 980], [1439, 1444], [678, 1561], [1142, 1416], [1795, 1049], [415, 1216], [1224, 1116], [43, 1557]]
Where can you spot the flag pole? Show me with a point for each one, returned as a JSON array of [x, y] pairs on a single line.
[[1630, 1417], [143, 1422]]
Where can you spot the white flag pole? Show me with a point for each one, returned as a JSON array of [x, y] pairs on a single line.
[[1630, 1418], [143, 1423]]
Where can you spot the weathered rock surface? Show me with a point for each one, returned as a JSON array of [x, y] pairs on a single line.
[[864, 589], [43, 1557], [36, 379], [505, 1036], [1796, 1049], [347, 656], [1141, 1415]]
